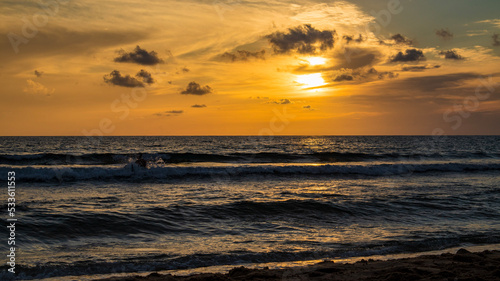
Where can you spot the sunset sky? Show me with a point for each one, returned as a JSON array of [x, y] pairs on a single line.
[[359, 67]]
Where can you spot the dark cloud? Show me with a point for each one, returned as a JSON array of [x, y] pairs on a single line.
[[117, 79], [372, 72], [343, 77], [451, 55], [496, 40], [359, 39], [433, 89], [281, 101], [400, 39], [183, 70], [419, 68], [198, 105], [243, 55], [444, 33], [57, 40], [139, 56], [309, 108], [409, 55], [364, 75], [38, 73], [432, 94], [433, 83], [170, 113], [146, 76], [194, 88], [348, 38], [354, 58], [303, 39]]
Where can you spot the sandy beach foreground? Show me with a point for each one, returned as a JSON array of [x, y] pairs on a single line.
[[463, 265]]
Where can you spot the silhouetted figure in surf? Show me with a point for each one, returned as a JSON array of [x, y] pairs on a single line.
[[141, 162]]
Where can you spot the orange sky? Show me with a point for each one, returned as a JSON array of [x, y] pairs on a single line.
[[249, 68]]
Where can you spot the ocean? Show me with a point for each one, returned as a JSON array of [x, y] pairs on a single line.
[[84, 208]]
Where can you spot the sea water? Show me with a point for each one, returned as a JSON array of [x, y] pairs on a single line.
[[83, 206]]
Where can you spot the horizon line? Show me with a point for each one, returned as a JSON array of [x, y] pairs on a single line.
[[318, 135]]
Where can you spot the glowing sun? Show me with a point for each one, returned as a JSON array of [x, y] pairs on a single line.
[[316, 61], [311, 80]]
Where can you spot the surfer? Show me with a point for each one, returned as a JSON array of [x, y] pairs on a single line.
[[141, 162]]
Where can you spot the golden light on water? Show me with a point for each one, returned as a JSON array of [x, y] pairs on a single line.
[[310, 80]]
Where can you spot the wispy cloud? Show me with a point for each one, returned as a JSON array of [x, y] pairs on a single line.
[[169, 113], [480, 32], [36, 88], [357, 57], [418, 68], [495, 22], [242, 55]]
